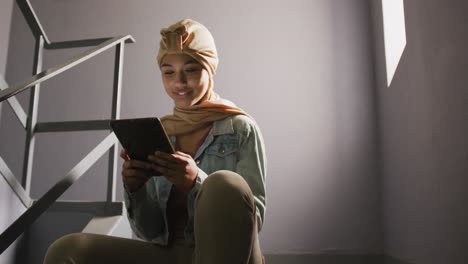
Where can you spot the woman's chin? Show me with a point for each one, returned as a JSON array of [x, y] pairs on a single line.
[[187, 102], [184, 104]]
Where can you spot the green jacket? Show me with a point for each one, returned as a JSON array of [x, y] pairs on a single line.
[[234, 143]]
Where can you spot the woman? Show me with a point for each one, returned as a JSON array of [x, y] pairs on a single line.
[[210, 202]]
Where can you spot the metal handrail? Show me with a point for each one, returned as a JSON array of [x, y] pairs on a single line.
[[14, 104], [75, 43], [32, 20], [38, 31], [39, 207], [68, 126], [57, 69], [29, 121], [14, 184], [100, 209]]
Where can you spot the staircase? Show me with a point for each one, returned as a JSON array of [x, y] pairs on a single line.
[[103, 217]]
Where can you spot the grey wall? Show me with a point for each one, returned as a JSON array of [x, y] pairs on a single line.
[[11, 206], [424, 126], [11, 209], [6, 9], [302, 68]]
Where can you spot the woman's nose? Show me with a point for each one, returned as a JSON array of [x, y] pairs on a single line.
[[181, 78]]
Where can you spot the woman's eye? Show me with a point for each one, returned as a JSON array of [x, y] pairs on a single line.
[[168, 72], [191, 70]]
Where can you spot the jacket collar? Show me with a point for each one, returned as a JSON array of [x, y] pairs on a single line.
[[220, 127], [223, 126]]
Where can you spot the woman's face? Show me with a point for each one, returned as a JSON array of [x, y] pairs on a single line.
[[185, 80]]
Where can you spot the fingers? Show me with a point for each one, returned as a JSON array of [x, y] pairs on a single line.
[[170, 173], [179, 168], [134, 178], [135, 173], [124, 154], [170, 163], [177, 157], [132, 174], [167, 156], [169, 168], [180, 153], [137, 164]]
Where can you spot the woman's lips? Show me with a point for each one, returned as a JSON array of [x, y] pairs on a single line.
[[181, 94]]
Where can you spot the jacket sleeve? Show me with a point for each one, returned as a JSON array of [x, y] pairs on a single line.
[[143, 211], [252, 166]]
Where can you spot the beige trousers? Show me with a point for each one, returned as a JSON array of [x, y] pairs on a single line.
[[225, 232]]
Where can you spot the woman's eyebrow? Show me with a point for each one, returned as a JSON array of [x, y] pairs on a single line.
[[191, 61]]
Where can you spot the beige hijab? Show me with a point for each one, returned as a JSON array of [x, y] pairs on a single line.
[[192, 38]]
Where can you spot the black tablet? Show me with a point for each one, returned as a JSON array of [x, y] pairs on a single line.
[[142, 136]]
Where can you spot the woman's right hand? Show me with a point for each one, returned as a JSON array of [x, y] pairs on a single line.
[[134, 172]]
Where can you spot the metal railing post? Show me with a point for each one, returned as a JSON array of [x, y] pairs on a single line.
[[32, 117], [116, 98], [1, 88], [36, 209]]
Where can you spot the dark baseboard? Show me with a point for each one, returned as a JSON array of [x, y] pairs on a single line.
[[330, 259], [392, 260]]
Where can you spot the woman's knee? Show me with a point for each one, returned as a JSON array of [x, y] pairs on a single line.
[[68, 249], [226, 185]]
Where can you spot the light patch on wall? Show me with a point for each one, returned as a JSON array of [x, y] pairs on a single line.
[[394, 34]]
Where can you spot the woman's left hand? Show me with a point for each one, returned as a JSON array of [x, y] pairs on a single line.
[[179, 168]]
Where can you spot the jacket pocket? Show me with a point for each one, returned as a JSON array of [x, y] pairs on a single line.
[[221, 156], [221, 150]]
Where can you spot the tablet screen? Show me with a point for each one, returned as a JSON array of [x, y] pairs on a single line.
[[142, 136]]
